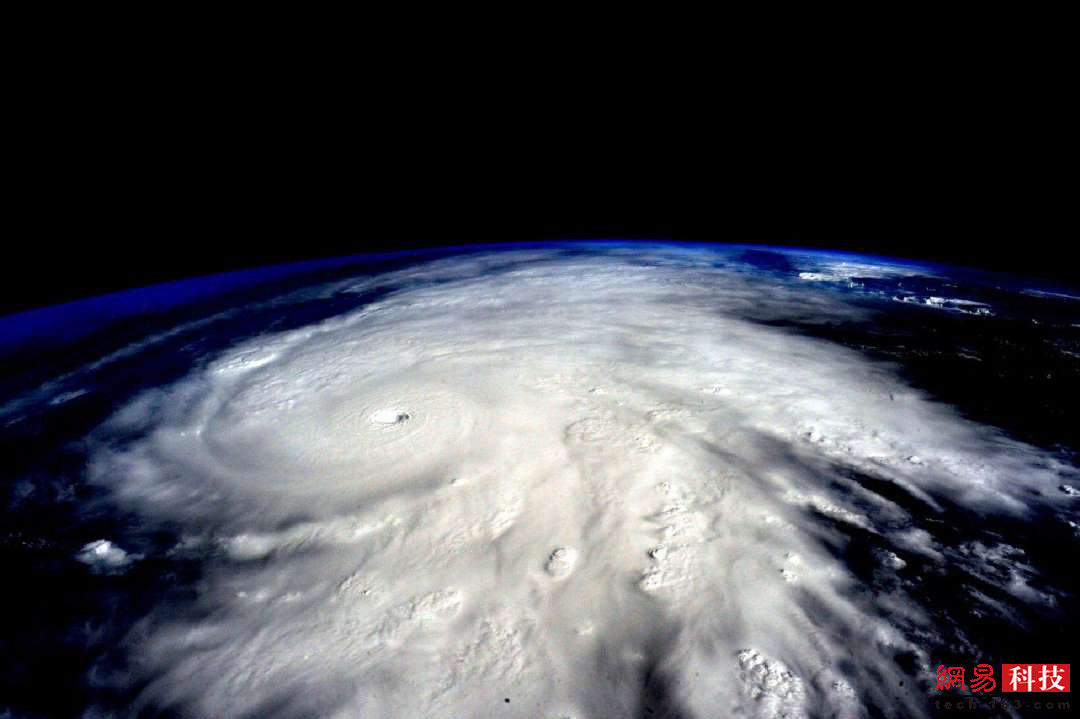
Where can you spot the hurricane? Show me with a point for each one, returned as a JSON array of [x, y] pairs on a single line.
[[605, 481]]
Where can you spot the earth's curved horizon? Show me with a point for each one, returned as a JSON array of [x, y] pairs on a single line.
[[572, 479]]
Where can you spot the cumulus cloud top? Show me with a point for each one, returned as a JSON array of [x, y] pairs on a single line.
[[104, 556]]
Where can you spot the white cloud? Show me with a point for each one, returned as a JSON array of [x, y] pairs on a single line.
[[104, 556], [541, 483]]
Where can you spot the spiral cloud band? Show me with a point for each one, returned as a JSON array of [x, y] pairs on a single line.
[[538, 483]]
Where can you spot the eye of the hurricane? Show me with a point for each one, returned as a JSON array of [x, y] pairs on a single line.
[[389, 416]]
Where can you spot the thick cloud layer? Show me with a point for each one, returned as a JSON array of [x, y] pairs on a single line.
[[583, 486]]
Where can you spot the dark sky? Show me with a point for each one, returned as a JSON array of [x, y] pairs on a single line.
[[111, 206], [146, 158]]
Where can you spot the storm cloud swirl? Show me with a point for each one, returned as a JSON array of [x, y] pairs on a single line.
[[585, 485]]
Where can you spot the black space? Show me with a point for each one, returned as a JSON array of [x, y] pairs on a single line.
[[141, 231], [136, 173]]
